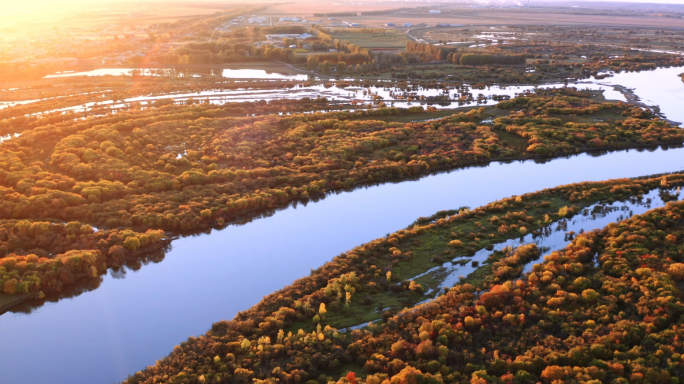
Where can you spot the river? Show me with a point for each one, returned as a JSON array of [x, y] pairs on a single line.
[[104, 334]]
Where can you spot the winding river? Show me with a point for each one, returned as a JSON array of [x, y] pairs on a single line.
[[126, 321]]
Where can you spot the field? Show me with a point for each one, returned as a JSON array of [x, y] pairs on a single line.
[[481, 17], [374, 40]]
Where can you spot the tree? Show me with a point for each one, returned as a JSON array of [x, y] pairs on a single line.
[[311, 63], [341, 67], [131, 243]]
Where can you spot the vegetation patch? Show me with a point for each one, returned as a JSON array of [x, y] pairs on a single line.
[[567, 307]]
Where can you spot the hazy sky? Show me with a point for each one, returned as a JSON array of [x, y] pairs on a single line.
[[52, 7]]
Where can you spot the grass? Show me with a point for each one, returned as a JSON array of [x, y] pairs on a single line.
[[419, 117], [431, 249], [518, 143]]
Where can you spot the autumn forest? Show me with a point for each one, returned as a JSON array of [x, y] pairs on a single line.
[[220, 176]]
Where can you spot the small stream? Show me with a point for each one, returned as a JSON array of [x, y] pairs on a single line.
[[596, 216]]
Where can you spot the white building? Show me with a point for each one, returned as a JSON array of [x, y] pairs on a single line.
[[435, 11], [281, 36]]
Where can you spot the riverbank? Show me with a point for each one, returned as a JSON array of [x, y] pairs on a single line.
[[633, 98], [9, 301], [66, 270], [368, 278]]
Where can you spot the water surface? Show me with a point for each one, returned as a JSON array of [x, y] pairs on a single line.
[[180, 72]]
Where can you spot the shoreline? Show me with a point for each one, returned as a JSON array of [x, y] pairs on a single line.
[[5, 307], [11, 301]]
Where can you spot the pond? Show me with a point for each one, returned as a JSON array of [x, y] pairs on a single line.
[[123, 322], [454, 98], [660, 87], [180, 72]]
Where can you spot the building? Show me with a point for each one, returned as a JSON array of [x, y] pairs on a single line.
[[256, 20], [296, 36], [435, 11], [408, 24], [389, 24]]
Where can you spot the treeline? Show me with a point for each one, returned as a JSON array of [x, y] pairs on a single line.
[[427, 52], [123, 169], [237, 47], [384, 12], [424, 52], [353, 58], [39, 256], [487, 59], [592, 312], [335, 14], [222, 51], [548, 135], [380, 31]]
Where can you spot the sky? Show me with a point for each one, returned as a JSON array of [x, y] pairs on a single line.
[[60, 7]]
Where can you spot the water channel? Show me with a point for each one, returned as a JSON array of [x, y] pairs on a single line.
[[227, 73], [132, 319], [596, 216]]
